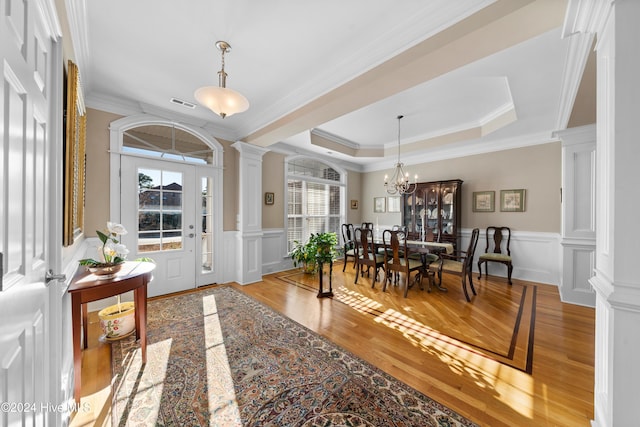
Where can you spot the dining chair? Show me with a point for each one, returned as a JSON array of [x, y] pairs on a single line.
[[367, 254], [368, 225], [349, 244], [460, 264], [396, 259], [501, 238]]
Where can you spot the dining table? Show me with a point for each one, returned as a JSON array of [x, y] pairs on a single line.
[[424, 248]]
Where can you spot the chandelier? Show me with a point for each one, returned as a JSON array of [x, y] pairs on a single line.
[[220, 99], [399, 183]]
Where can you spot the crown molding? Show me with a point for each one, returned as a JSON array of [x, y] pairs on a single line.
[[77, 20], [468, 148], [585, 16], [335, 138], [580, 44]]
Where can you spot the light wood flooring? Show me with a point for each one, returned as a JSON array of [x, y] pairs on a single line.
[[514, 356]]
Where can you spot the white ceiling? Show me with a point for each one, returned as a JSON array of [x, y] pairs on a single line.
[[468, 75]]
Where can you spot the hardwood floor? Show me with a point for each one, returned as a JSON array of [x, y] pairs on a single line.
[[514, 356]]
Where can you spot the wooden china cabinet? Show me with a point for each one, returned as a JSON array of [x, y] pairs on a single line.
[[436, 204]]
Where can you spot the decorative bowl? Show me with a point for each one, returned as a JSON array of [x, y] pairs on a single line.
[[105, 271]]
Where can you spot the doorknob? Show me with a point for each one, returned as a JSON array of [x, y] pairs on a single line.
[[191, 235], [49, 276]]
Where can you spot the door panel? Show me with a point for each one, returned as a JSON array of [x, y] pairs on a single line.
[[159, 213], [26, 167]]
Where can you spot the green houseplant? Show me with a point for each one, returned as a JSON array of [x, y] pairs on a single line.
[[320, 248]]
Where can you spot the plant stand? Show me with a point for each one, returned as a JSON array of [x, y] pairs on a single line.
[[321, 293]]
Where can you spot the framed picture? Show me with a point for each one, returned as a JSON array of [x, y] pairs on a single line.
[[74, 158], [379, 204], [354, 204], [268, 198], [484, 201], [512, 200], [393, 204]]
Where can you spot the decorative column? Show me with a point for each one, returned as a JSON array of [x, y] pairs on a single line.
[[578, 214], [249, 224], [616, 280]]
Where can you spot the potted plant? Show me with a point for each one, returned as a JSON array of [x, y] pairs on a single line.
[[320, 248], [325, 245], [303, 254]]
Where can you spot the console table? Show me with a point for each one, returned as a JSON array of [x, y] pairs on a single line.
[[86, 287]]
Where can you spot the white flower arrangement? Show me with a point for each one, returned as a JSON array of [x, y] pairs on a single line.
[[112, 251]]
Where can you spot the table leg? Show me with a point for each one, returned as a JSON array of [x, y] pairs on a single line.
[[85, 326], [140, 296], [77, 350]]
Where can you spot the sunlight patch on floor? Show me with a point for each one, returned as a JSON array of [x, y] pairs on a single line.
[[223, 406], [510, 386], [358, 301], [131, 381]]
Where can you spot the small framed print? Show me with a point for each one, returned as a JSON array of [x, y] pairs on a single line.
[[269, 198], [393, 204], [379, 204], [484, 201], [354, 204], [512, 200]]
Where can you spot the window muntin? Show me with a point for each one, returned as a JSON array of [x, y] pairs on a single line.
[[160, 210], [315, 198], [167, 142]]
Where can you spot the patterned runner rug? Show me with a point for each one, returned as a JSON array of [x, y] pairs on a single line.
[[219, 357]]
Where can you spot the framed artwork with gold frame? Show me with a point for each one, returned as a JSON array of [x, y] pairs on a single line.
[[74, 157]]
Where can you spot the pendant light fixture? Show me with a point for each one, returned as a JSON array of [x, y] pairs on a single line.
[[220, 99], [399, 183]]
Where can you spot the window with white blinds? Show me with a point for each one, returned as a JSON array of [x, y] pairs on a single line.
[[315, 194]]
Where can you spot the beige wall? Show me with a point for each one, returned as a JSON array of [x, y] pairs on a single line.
[[230, 178], [536, 169], [96, 210], [98, 178], [273, 182], [354, 190], [273, 178]]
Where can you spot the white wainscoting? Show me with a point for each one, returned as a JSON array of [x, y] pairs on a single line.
[[274, 251], [536, 255], [229, 273]]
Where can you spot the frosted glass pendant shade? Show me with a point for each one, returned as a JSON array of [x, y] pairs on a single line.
[[221, 100]]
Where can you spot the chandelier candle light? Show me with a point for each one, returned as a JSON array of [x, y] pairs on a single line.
[[220, 99], [399, 183]]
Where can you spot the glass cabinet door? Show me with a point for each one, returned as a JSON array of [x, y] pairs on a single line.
[[432, 208], [448, 211]]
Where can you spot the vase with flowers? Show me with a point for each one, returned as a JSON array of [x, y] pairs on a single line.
[[112, 253]]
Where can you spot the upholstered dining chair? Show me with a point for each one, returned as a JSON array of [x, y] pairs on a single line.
[[501, 239], [396, 259], [460, 264], [367, 254], [349, 244]]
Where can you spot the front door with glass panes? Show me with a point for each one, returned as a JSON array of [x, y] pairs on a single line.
[[158, 202]]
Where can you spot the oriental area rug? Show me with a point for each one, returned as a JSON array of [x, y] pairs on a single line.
[[219, 357]]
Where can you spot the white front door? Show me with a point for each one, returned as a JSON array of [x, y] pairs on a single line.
[[30, 240], [158, 202]]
